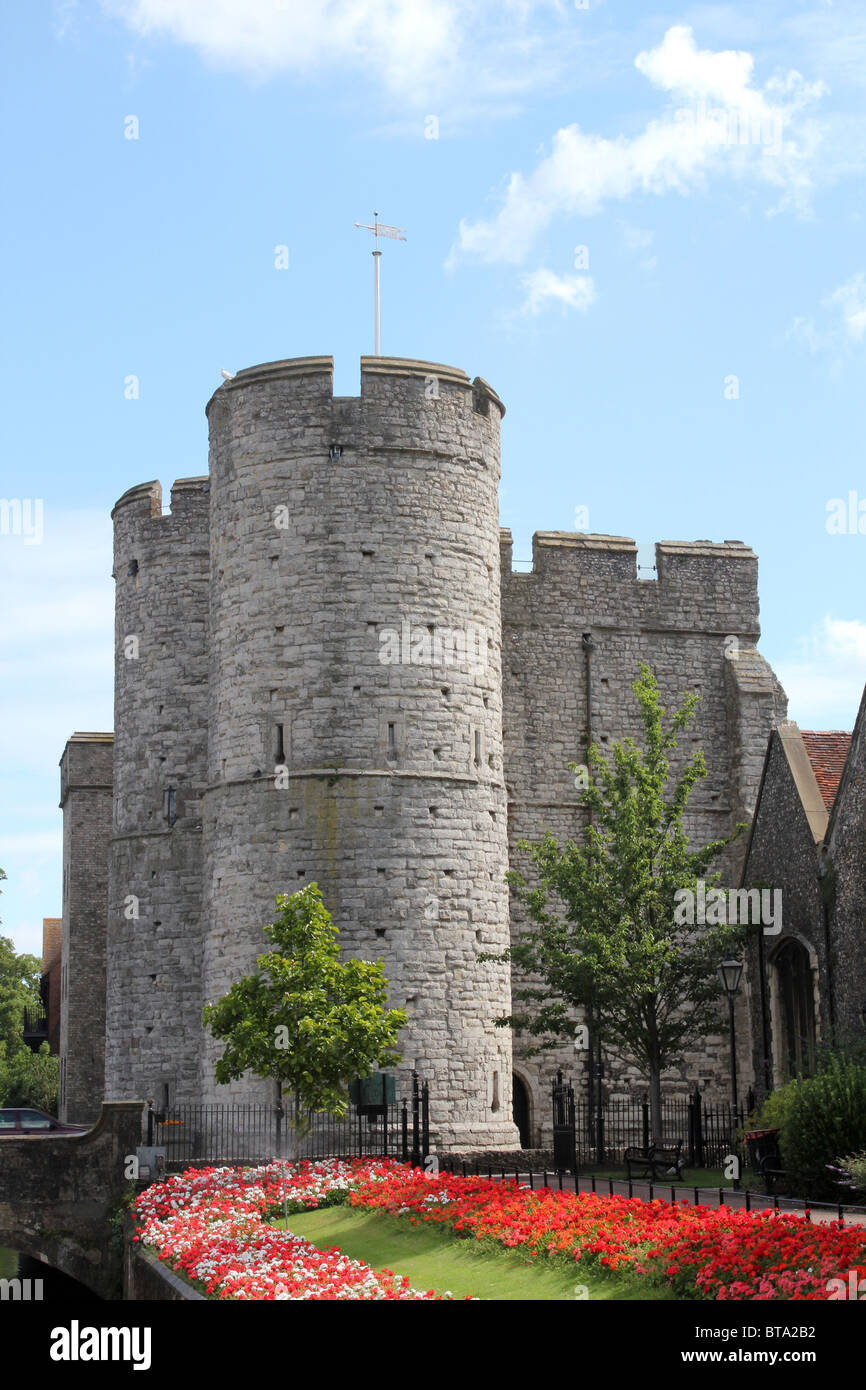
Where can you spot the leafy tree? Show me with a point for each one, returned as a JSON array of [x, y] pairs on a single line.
[[306, 1019], [19, 990], [30, 1078], [609, 939]]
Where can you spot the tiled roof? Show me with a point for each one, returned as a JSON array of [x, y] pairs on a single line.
[[827, 751]]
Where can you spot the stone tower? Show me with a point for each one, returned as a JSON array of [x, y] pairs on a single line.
[[319, 700], [153, 1005]]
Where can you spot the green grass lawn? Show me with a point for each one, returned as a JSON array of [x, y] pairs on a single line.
[[434, 1259]]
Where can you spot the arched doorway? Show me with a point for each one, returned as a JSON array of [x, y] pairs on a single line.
[[520, 1108], [792, 968]]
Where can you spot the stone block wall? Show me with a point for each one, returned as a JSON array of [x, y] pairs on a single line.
[[696, 626], [352, 539], [85, 797], [846, 838], [783, 855], [153, 1015], [302, 608]]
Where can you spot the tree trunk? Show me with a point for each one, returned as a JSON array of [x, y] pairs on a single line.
[[655, 1080], [294, 1144]]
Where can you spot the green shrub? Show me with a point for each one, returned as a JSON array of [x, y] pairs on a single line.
[[30, 1078], [825, 1117], [771, 1114]]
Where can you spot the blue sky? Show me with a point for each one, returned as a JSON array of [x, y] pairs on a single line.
[[696, 372]]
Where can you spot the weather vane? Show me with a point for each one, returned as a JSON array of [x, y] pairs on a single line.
[[379, 229]]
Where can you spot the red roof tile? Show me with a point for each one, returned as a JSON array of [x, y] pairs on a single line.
[[827, 751]]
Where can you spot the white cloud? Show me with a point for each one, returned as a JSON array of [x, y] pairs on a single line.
[[850, 299], [844, 320], [472, 56], [824, 681], [402, 41], [721, 123], [544, 287]]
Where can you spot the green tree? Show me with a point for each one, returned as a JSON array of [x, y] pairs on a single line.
[[609, 938], [306, 1019], [25, 1078], [20, 976], [30, 1078]]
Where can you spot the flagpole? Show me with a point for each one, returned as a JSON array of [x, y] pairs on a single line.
[[378, 331], [379, 229]]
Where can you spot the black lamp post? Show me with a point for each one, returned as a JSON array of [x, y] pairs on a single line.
[[730, 973]]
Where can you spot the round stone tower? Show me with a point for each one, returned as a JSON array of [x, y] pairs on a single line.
[[153, 950], [355, 702]]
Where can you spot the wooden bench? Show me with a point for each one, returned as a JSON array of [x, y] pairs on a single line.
[[656, 1162], [765, 1157]]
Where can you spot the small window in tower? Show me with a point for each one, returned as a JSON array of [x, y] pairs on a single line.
[[477, 747], [280, 750], [494, 1104], [392, 741], [171, 805], [302, 873], [132, 568]]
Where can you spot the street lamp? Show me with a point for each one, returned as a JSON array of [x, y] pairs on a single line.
[[730, 973]]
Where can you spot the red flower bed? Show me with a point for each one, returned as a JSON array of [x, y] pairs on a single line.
[[208, 1224], [701, 1252]]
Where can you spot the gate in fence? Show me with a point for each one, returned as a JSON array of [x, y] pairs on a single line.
[[705, 1128], [258, 1133], [564, 1130]]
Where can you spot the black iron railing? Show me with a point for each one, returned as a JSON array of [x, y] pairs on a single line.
[[256, 1133], [705, 1127]]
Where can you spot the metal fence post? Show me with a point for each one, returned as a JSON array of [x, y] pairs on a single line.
[[425, 1120], [416, 1122], [699, 1130]]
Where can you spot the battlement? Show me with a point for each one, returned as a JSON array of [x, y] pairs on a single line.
[[698, 582], [145, 500], [317, 375], [549, 547]]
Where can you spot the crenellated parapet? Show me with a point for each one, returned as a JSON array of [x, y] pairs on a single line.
[[699, 585]]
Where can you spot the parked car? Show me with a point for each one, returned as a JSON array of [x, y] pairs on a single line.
[[24, 1120]]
